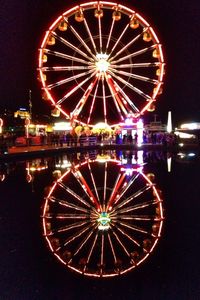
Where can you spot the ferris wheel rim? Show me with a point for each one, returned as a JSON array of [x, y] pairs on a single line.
[[120, 206], [115, 70]]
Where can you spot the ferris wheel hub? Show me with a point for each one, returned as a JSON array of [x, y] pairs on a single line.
[[104, 221], [102, 63]]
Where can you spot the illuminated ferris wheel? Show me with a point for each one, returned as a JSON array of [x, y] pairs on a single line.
[[103, 219], [101, 61]]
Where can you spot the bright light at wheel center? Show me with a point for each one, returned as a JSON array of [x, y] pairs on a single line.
[[104, 221], [102, 64]]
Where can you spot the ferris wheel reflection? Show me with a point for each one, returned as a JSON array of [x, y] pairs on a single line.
[[103, 217]]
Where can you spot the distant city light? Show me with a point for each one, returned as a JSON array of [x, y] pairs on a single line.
[[191, 154], [190, 126], [184, 135]]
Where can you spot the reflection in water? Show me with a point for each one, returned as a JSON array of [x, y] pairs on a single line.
[[103, 216], [59, 164], [35, 165]]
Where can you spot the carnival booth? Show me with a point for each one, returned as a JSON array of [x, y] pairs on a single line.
[[132, 131]]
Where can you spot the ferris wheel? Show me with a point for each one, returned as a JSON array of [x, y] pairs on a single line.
[[103, 219], [101, 61]]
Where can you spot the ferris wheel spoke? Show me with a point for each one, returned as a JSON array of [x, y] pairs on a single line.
[[69, 227], [66, 68], [66, 56], [119, 94], [68, 44], [129, 199], [100, 34], [93, 101], [134, 228], [127, 45], [120, 108], [82, 41], [120, 242], [105, 185], [135, 76], [84, 241], [115, 192], [84, 98], [91, 251], [129, 101], [133, 88], [128, 236], [83, 183], [102, 254], [94, 184], [113, 198], [125, 104], [74, 194], [131, 104], [110, 34], [90, 35], [67, 204], [72, 78], [104, 100], [142, 51], [138, 206], [79, 234], [118, 40], [112, 249], [63, 216], [136, 65], [126, 186], [136, 217], [117, 101], [72, 91]]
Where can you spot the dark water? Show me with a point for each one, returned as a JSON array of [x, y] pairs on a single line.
[[29, 270]]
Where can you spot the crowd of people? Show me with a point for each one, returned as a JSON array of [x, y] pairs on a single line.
[[72, 139]]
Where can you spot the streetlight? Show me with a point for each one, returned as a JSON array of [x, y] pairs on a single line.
[[27, 123]]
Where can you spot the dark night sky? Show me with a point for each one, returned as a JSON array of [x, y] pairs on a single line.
[[23, 24]]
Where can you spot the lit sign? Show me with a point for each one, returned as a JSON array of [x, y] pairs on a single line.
[[104, 221]]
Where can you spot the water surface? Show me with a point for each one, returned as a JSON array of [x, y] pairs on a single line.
[[29, 269]]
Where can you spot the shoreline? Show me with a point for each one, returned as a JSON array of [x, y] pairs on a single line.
[[43, 150]]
